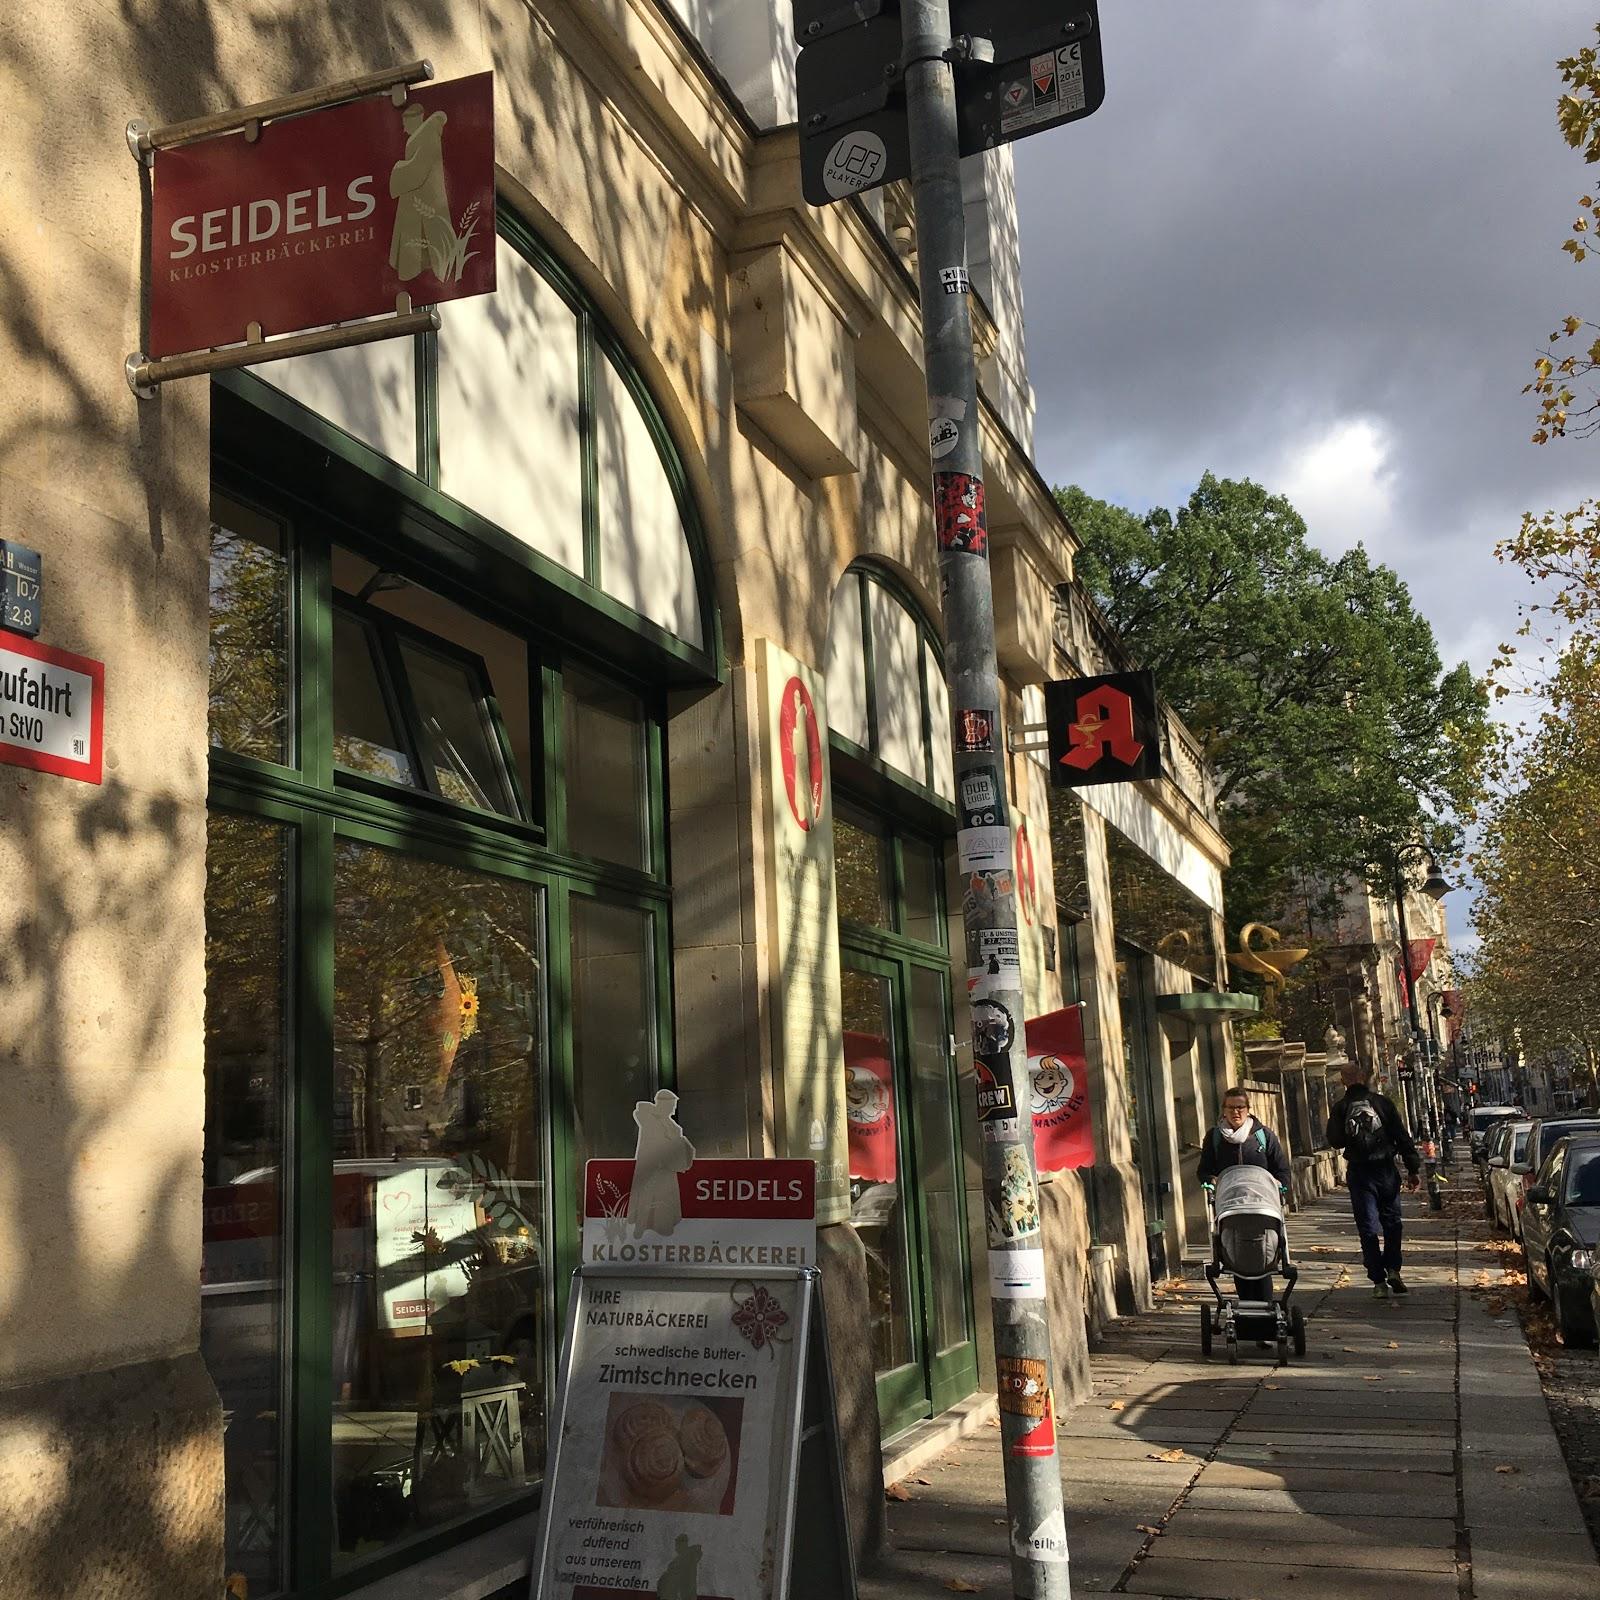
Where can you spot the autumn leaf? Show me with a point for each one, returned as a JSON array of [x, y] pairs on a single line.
[[1508, 1469], [1144, 1527], [1117, 1405], [1393, 1344], [961, 1586], [1272, 1386], [897, 1491]]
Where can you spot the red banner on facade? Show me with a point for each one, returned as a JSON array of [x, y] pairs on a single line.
[[326, 217], [869, 1106], [1419, 952], [1063, 1135]]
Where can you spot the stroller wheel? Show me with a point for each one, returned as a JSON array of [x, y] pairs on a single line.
[[1233, 1348], [1297, 1330], [1205, 1331]]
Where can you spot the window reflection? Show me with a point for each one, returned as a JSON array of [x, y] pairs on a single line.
[[249, 686], [613, 1023], [365, 738], [604, 759], [877, 1208], [861, 872], [438, 1320], [241, 1287], [463, 745]]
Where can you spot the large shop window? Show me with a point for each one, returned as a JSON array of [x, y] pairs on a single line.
[[437, 940]]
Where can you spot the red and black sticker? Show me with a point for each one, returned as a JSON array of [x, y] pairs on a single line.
[[958, 513], [997, 1099], [974, 731]]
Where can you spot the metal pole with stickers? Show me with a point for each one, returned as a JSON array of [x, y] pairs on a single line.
[[888, 93]]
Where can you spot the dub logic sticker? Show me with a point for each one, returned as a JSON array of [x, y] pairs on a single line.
[[958, 513]]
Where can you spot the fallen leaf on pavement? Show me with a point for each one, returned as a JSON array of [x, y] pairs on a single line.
[[927, 1483], [1394, 1344], [961, 1586], [1508, 1469], [1350, 1349], [999, 1522], [897, 1491], [1272, 1386], [1366, 1377], [1144, 1527], [1117, 1405], [1175, 1454]]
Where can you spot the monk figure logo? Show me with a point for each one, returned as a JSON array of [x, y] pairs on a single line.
[[425, 238]]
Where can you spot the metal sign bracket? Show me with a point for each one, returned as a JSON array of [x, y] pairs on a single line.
[[144, 141]]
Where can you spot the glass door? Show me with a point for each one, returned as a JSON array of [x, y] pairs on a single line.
[[905, 1172]]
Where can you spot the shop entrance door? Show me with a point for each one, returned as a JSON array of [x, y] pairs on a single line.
[[905, 1183]]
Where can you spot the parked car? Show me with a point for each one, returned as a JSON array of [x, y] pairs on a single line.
[[1542, 1139], [1493, 1144], [1482, 1119], [1503, 1177], [1561, 1234]]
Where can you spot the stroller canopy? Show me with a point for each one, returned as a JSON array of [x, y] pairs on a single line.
[[1247, 1191]]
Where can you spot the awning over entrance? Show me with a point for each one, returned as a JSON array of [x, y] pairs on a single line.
[[1208, 1003]]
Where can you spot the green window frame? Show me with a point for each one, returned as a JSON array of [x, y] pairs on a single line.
[[322, 806], [934, 1379]]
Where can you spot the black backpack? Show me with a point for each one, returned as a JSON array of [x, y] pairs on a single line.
[[1365, 1136]]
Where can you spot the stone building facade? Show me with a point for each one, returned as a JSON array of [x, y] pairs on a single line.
[[499, 725]]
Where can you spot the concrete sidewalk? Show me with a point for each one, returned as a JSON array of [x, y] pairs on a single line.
[[1411, 1450]]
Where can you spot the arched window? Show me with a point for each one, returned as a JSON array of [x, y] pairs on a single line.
[[525, 412], [887, 696]]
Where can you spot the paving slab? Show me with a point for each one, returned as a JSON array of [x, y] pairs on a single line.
[[1252, 1579], [1342, 1552], [1248, 1528], [1435, 1501]]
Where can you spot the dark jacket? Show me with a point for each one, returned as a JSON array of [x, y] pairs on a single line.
[[1393, 1124], [1261, 1149]]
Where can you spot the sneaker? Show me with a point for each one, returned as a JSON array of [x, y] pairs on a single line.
[[1397, 1284], [1380, 1291]]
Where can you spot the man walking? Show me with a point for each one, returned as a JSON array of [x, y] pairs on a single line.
[[1368, 1128]]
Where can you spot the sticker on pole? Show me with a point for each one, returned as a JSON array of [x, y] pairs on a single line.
[[855, 163]]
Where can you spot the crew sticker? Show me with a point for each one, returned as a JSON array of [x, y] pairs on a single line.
[[944, 434], [997, 1098]]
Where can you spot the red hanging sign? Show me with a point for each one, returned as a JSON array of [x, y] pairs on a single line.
[[869, 1106], [1063, 1136], [326, 217], [1419, 952]]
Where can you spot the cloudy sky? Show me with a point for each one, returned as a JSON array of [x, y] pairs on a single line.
[[1318, 244]]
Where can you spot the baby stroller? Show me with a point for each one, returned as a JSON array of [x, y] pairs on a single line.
[[1249, 1241]]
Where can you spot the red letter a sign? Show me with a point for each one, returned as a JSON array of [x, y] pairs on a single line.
[[1103, 730]]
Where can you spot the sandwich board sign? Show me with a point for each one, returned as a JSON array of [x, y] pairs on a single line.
[[694, 1428]]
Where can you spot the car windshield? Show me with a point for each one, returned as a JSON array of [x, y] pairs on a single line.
[[1549, 1132], [1481, 1118], [1583, 1176]]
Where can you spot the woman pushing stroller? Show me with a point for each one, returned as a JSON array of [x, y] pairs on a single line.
[[1239, 1139]]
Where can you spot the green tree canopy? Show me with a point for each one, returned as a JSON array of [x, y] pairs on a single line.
[[1313, 685]]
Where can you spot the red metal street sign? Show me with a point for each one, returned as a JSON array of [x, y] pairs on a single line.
[[326, 217]]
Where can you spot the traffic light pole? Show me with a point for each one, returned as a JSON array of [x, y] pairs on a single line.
[[984, 846]]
